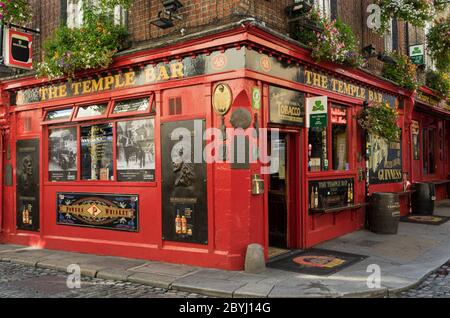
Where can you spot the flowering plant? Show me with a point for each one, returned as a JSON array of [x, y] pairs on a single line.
[[93, 45], [15, 11], [381, 120], [438, 43], [439, 82], [336, 42], [416, 12], [402, 71]]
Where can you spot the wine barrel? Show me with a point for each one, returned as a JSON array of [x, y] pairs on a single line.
[[384, 213], [422, 199]]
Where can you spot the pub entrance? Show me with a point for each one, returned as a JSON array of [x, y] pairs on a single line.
[[283, 193]]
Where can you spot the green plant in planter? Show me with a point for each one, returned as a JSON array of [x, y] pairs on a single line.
[[439, 82], [91, 46], [438, 43], [416, 12], [335, 42], [15, 11], [402, 71], [381, 120]]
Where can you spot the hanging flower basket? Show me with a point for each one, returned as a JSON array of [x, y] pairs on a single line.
[[402, 71], [15, 11], [416, 12], [439, 82], [438, 43], [330, 40], [91, 46], [381, 120]]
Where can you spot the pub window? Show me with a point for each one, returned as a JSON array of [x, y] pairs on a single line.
[[60, 114], [136, 150], [131, 106], [92, 111], [317, 144], [339, 138], [97, 152], [62, 154]]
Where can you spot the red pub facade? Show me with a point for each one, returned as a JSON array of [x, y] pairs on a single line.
[[88, 165]]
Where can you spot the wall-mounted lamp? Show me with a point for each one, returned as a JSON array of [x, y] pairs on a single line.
[[164, 20], [383, 57], [369, 51]]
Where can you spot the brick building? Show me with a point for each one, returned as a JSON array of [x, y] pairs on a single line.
[[88, 163]]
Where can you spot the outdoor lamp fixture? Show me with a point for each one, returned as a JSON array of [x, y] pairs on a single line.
[[165, 17], [383, 57], [369, 51], [299, 7]]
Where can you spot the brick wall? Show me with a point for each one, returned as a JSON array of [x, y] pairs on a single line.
[[199, 13]]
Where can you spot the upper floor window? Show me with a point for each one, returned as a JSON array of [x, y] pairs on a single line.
[[391, 36], [74, 14], [324, 6], [428, 60]]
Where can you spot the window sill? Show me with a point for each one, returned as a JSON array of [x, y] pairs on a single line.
[[337, 209]]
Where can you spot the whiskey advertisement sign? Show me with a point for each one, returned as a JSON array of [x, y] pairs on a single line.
[[104, 211], [27, 184]]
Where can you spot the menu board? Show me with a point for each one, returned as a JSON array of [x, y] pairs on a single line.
[[331, 193]]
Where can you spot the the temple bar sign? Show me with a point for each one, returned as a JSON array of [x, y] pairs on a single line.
[[17, 49]]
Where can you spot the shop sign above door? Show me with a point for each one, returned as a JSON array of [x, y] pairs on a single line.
[[417, 55], [287, 106], [317, 112], [190, 66]]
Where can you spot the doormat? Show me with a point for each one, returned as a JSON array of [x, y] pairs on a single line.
[[425, 219], [315, 261]]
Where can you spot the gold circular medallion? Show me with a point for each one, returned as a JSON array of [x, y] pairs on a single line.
[[222, 99]]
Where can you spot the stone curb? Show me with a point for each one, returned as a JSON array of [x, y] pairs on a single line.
[[170, 282]]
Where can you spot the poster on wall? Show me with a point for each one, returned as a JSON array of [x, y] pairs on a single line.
[[385, 160], [415, 131], [62, 156], [136, 150], [104, 211], [184, 192], [27, 184]]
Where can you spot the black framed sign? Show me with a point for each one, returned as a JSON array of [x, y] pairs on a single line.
[[184, 192], [104, 211], [286, 106], [27, 184], [385, 161], [331, 193]]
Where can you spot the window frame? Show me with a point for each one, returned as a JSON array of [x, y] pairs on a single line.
[[96, 120], [329, 144], [90, 118], [58, 121]]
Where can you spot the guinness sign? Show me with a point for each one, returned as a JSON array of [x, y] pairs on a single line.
[[17, 49]]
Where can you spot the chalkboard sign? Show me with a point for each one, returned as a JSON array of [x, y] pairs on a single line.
[[385, 161], [331, 193]]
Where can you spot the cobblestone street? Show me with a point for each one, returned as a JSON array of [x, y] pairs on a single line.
[[437, 285], [19, 281]]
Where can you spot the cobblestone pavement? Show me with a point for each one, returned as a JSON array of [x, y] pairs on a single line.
[[437, 285], [20, 281]]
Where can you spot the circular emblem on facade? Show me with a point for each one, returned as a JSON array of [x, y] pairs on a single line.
[[222, 99], [241, 118], [219, 62], [319, 261], [265, 63]]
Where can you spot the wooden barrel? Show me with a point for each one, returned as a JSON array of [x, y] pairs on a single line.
[[422, 199], [384, 214]]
